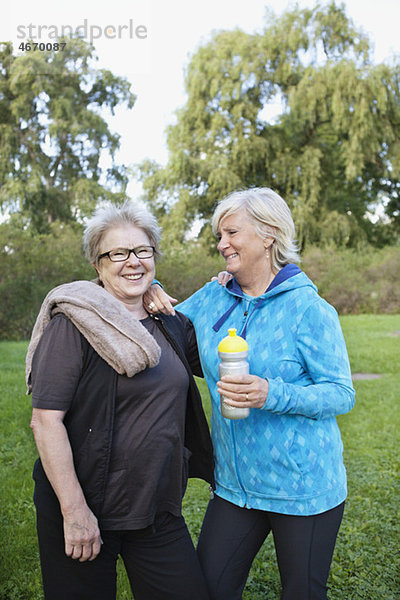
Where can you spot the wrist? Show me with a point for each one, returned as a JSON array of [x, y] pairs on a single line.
[[265, 392], [71, 506]]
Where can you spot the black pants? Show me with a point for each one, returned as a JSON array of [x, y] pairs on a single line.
[[160, 561], [231, 537]]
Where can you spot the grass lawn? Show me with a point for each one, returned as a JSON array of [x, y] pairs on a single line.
[[366, 562]]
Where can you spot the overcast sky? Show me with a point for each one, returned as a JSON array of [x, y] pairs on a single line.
[[150, 41]]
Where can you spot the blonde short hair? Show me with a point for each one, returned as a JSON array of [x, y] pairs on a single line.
[[106, 217], [271, 217]]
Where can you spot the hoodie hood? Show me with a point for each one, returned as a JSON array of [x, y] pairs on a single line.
[[289, 277]]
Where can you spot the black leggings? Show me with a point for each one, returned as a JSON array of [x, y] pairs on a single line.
[[160, 561], [231, 537]]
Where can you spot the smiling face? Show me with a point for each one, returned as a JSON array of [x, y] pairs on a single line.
[[244, 250], [130, 279]]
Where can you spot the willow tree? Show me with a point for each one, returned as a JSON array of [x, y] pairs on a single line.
[[332, 150], [53, 132]]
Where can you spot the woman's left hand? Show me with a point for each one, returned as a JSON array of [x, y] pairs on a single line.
[[243, 390], [223, 277], [156, 300]]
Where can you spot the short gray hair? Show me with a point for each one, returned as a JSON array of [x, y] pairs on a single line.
[[110, 215], [271, 217]]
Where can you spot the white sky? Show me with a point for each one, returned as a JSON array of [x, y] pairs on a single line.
[[175, 28]]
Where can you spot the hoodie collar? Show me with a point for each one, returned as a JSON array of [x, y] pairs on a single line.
[[285, 273], [234, 288]]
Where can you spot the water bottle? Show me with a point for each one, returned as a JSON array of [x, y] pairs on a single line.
[[233, 351]]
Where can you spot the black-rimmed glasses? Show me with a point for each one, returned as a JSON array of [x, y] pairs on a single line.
[[121, 254]]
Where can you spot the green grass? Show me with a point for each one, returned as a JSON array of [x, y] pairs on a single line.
[[366, 562]]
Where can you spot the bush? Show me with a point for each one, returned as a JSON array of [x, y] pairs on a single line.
[[30, 266], [365, 280], [184, 271]]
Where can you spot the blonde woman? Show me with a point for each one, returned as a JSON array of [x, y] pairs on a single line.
[[281, 469]]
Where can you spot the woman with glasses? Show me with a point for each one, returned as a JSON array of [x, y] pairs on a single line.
[[119, 426], [281, 469]]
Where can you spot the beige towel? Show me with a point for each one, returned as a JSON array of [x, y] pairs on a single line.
[[120, 339]]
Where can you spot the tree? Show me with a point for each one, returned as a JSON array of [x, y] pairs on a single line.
[[332, 152], [52, 132]]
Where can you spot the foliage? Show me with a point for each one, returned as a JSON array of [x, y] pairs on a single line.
[[185, 270], [365, 280], [332, 152], [366, 559], [30, 265], [52, 133]]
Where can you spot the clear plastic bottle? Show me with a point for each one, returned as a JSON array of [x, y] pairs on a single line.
[[233, 351]]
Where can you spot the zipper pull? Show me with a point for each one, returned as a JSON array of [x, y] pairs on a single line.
[[211, 493]]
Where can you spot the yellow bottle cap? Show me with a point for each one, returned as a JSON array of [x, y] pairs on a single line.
[[233, 343]]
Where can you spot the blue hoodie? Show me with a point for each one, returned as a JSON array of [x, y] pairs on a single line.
[[287, 456]]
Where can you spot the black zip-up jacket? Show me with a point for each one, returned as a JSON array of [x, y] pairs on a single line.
[[90, 419]]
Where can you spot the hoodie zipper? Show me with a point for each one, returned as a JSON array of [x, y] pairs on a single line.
[[233, 434]]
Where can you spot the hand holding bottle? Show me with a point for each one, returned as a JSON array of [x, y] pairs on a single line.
[[240, 391], [233, 351]]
